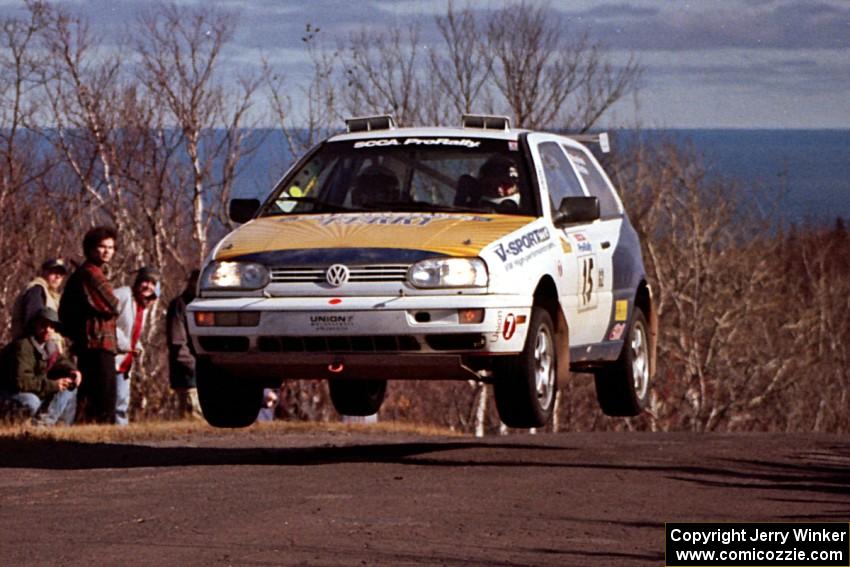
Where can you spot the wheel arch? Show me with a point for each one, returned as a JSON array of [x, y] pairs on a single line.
[[546, 297], [644, 300]]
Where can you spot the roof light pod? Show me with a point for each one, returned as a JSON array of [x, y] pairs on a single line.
[[486, 122], [369, 123]]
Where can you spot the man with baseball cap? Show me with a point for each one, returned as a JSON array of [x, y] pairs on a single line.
[[133, 308], [37, 377], [43, 291]]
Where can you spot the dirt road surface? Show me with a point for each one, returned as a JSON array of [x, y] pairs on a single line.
[[358, 498]]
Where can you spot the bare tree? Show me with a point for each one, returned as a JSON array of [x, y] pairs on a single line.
[[814, 300], [122, 159], [713, 263], [545, 81], [317, 113], [463, 71], [382, 73], [81, 95], [22, 164], [180, 52]]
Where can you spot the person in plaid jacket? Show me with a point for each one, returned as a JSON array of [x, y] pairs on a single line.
[[88, 311]]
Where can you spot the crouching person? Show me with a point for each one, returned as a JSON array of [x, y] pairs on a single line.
[[36, 376]]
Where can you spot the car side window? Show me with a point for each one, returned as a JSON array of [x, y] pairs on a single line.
[[560, 177], [596, 184]]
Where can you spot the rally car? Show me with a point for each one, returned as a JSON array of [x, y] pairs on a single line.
[[482, 252]]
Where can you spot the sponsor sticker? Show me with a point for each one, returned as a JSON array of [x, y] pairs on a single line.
[[541, 175], [582, 242], [332, 322], [565, 246], [385, 142], [525, 243], [494, 337], [390, 219], [579, 162], [621, 310], [587, 298], [509, 327], [616, 332]]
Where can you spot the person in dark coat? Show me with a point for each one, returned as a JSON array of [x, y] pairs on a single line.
[[88, 311], [34, 375], [43, 291], [181, 355]]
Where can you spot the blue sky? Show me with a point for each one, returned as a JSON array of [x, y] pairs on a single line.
[[707, 63]]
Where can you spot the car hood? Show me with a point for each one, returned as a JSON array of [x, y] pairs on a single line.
[[449, 234]]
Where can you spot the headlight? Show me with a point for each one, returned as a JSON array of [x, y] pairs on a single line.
[[234, 275], [448, 272]]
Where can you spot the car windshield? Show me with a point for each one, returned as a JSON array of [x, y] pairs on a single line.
[[416, 174]]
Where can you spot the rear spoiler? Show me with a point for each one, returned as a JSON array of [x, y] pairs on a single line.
[[600, 138]]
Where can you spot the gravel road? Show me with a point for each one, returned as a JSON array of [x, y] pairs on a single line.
[[360, 498]]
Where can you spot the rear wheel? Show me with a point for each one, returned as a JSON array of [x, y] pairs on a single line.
[[225, 401], [623, 388], [524, 385], [357, 397]]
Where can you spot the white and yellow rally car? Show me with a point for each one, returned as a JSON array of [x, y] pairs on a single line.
[[482, 252]]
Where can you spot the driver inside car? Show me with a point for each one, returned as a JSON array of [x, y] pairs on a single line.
[[376, 184], [499, 182]]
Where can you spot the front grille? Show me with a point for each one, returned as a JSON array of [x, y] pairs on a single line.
[[368, 274], [456, 341], [338, 344], [224, 344]]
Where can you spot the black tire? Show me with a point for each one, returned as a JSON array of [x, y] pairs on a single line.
[[225, 401], [525, 385], [357, 397], [622, 389]]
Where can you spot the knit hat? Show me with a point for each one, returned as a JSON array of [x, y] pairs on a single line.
[[148, 274]]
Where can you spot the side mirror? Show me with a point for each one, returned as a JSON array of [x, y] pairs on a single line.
[[577, 210], [243, 210]]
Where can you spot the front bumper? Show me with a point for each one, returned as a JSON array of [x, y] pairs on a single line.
[[368, 337]]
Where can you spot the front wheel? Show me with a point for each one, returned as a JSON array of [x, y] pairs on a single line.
[[623, 388], [225, 401], [357, 397], [524, 385]]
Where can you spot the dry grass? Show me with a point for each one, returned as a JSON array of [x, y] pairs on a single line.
[[179, 430]]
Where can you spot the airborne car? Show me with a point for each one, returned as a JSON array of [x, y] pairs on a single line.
[[481, 252]]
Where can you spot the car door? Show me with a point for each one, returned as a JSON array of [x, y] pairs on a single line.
[[603, 236], [578, 266]]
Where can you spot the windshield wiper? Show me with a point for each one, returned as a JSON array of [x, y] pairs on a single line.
[[321, 206]]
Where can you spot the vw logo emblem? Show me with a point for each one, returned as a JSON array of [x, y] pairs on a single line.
[[337, 275]]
